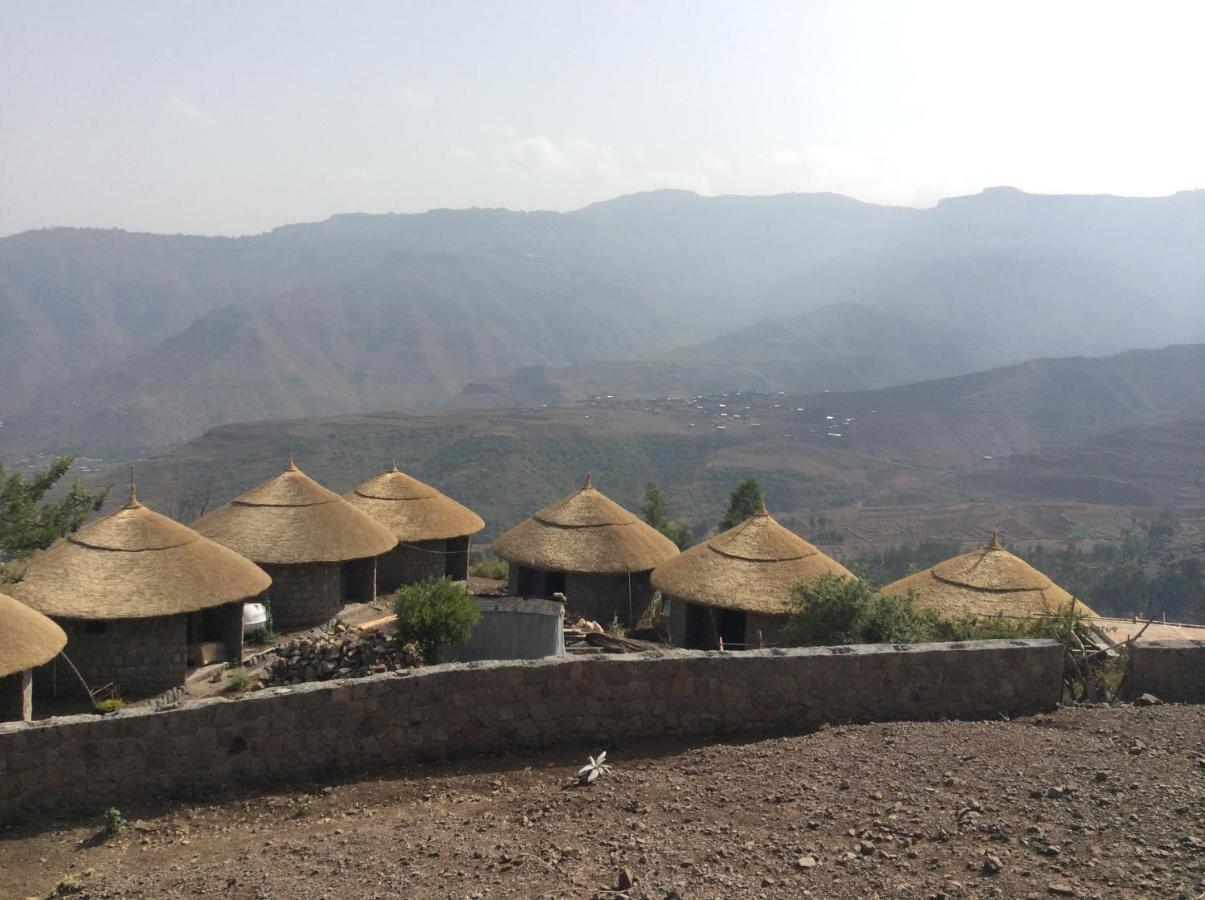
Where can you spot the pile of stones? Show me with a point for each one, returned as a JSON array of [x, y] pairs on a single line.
[[338, 653]]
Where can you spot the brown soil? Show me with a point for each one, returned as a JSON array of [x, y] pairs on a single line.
[[1088, 802]]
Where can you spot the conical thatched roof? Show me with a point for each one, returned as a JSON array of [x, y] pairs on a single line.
[[27, 638], [585, 532], [133, 564], [751, 567], [988, 581], [413, 511], [293, 519]]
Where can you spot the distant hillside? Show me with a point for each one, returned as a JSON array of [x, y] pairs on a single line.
[[117, 343], [908, 464], [1156, 465]]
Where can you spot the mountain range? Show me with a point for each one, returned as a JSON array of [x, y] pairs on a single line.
[[116, 344]]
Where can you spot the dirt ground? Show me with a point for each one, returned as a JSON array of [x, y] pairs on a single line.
[[1087, 802]]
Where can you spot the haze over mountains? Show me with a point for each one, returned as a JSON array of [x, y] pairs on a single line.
[[118, 343]]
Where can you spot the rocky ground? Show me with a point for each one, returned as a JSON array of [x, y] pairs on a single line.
[[1087, 802]]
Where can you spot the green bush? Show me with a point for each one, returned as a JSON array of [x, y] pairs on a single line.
[[489, 568], [113, 704], [434, 614], [835, 610], [238, 681]]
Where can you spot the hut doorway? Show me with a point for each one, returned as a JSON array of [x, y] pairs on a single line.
[[707, 626], [215, 634], [538, 583], [456, 558], [730, 624]]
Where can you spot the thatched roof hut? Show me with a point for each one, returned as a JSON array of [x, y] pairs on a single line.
[[751, 567], [135, 564], [153, 580], [319, 549], [592, 550], [585, 532], [27, 639], [432, 529], [292, 519], [987, 581], [412, 510]]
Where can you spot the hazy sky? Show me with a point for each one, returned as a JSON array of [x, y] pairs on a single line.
[[234, 117]]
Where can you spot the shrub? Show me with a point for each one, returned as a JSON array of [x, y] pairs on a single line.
[[496, 569], [838, 610], [434, 614], [113, 704], [239, 681], [114, 824], [835, 610]]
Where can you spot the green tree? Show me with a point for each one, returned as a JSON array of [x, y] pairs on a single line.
[[30, 521], [655, 511], [655, 508], [434, 614], [745, 501]]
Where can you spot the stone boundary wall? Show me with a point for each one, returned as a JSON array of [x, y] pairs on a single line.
[[1174, 671], [88, 763]]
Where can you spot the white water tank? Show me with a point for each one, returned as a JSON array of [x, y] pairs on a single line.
[[255, 617]]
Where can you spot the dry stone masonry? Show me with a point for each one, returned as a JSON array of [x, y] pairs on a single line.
[[315, 729], [410, 563], [339, 652], [304, 594], [138, 657]]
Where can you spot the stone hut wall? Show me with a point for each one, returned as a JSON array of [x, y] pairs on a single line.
[[769, 627], [16, 697], [304, 595], [318, 729], [604, 597], [410, 563], [1174, 671], [597, 597], [139, 656]]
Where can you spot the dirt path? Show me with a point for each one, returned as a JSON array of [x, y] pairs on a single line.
[[1089, 802]]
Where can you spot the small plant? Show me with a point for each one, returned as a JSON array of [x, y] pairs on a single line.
[[615, 627], [115, 823], [594, 769], [67, 886], [113, 704], [239, 681], [435, 614], [300, 805]]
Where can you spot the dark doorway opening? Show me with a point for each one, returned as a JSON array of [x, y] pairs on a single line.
[[705, 627], [730, 623]]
